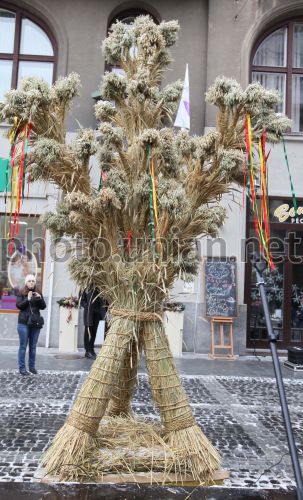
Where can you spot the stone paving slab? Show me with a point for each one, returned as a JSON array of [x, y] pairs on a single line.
[[19, 421], [254, 388], [56, 386], [240, 415]]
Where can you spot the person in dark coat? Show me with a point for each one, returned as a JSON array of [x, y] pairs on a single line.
[[95, 309], [29, 301]]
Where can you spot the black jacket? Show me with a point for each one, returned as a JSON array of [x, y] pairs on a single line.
[[95, 307], [25, 306]]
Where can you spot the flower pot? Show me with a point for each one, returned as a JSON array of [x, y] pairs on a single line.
[[173, 324], [68, 329]]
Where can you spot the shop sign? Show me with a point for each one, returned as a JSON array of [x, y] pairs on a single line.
[[285, 213]]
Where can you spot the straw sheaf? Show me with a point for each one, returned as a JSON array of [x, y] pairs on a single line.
[[112, 225]]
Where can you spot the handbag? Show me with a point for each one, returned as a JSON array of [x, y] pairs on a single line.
[[34, 319]]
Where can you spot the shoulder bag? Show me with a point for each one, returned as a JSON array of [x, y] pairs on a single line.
[[34, 319]]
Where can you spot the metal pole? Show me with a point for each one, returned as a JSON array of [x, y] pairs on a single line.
[[260, 265]]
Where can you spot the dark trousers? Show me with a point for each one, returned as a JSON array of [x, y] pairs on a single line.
[[90, 333]]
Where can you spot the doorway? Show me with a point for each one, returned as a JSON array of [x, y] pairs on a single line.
[[284, 284]]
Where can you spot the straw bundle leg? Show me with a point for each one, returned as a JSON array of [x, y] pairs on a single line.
[[181, 430], [67, 454], [120, 403]]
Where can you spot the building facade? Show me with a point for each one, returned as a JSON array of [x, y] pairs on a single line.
[[254, 40]]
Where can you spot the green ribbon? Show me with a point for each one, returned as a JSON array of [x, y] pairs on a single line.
[[5, 184], [290, 179], [100, 182], [4, 165], [248, 178]]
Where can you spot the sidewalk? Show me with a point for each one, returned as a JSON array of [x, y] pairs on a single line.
[[189, 364]]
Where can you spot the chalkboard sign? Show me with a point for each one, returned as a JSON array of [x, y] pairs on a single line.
[[220, 287]]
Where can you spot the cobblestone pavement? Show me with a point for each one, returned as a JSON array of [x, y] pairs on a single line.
[[240, 415]]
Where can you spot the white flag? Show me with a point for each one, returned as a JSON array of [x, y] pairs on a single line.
[[183, 115]]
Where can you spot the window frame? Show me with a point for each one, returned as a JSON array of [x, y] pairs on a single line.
[[16, 311], [21, 13], [134, 12], [287, 70]]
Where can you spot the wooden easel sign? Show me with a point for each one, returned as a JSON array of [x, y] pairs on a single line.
[[221, 305]]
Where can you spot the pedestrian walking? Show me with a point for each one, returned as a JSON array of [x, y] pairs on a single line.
[[30, 301], [95, 309]]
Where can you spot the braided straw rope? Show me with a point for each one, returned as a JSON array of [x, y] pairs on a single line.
[[136, 315], [85, 423]]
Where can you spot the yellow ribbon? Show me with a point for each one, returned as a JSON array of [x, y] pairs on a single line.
[[255, 205], [14, 129]]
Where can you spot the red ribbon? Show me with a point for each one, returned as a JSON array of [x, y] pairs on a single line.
[[129, 240], [21, 171]]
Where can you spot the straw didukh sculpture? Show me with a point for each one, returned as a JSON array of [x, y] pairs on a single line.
[[134, 234]]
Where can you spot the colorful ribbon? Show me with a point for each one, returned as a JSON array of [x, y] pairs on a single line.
[[261, 222], [15, 178], [153, 201], [129, 241], [103, 179]]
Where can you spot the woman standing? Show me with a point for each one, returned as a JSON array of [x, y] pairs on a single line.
[[30, 322]]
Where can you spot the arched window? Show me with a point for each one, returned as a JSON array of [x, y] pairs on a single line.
[[127, 17], [27, 48], [277, 63]]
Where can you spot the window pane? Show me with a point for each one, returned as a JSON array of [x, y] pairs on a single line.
[[7, 31], [298, 46], [27, 258], [118, 71], [272, 51], [297, 103], [34, 40], [272, 81], [275, 295], [297, 299], [33, 68], [6, 76], [129, 20]]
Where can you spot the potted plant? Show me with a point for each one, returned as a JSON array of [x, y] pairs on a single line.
[[173, 316], [68, 324]]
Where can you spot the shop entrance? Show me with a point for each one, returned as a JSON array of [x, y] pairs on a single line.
[[284, 283]]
